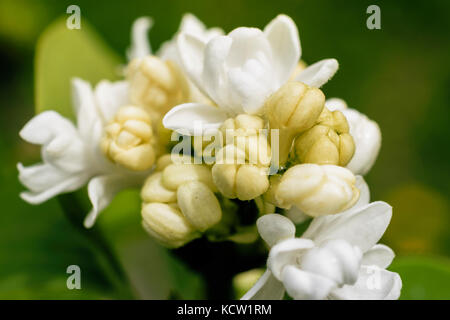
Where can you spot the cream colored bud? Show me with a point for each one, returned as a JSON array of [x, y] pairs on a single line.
[[167, 224], [156, 85], [155, 191], [174, 175], [183, 192], [270, 195], [128, 139], [293, 109], [318, 189], [199, 205], [244, 182], [328, 142], [241, 167], [242, 164]]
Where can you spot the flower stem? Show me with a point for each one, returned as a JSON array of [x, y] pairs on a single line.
[[75, 213]]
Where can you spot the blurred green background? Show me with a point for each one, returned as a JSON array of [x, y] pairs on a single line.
[[398, 76]]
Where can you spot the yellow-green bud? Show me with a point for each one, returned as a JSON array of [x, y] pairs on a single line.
[[156, 85], [328, 142], [317, 189], [244, 281], [293, 109], [128, 139]]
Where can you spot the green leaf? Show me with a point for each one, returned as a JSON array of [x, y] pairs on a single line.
[[62, 54], [37, 244], [423, 277]]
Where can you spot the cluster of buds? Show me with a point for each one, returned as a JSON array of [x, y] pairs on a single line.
[[241, 168], [179, 202], [327, 142], [156, 85], [128, 139], [322, 145], [293, 109], [136, 137]]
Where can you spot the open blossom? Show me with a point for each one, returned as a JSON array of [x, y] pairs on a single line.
[[366, 135], [239, 71], [337, 257], [71, 155]]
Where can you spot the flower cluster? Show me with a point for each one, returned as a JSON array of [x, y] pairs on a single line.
[[278, 142]]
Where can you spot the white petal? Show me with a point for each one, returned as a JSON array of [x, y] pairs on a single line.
[[191, 51], [140, 46], [192, 25], [335, 104], [285, 253], [83, 101], [274, 228], [373, 283], [317, 74], [61, 143], [334, 259], [362, 227], [214, 81], [194, 118], [101, 191], [283, 36], [109, 97], [367, 136], [379, 255], [302, 285], [364, 192], [45, 126], [46, 181], [266, 288]]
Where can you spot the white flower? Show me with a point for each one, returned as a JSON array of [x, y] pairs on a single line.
[[190, 24], [366, 135], [239, 71], [326, 262], [71, 155]]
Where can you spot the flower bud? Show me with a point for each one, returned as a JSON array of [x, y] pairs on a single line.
[[199, 205], [241, 168], [156, 85], [244, 281], [293, 109], [167, 224], [179, 201], [328, 142], [174, 175], [128, 139], [317, 189]]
